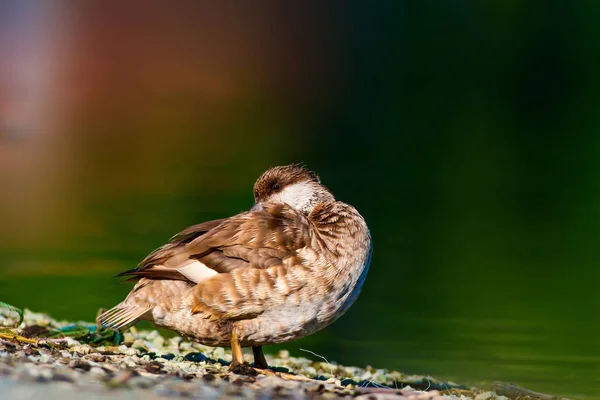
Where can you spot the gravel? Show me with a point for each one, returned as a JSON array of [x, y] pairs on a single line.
[[146, 365]]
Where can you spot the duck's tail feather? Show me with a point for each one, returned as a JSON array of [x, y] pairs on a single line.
[[148, 297], [122, 316]]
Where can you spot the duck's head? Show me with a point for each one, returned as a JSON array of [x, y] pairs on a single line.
[[293, 185]]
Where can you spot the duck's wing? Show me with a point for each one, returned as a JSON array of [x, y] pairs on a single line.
[[258, 240], [265, 256]]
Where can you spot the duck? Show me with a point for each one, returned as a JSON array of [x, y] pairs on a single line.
[[286, 268]]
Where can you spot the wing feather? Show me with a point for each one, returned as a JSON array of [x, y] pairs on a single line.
[[163, 262], [272, 243]]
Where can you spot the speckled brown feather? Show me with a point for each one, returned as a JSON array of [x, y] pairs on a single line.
[[303, 245], [270, 242]]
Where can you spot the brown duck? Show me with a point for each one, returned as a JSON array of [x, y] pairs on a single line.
[[287, 268]]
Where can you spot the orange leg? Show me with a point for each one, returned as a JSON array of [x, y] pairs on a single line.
[[236, 349]]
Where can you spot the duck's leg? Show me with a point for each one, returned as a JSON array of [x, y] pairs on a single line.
[[237, 363], [259, 358], [236, 349]]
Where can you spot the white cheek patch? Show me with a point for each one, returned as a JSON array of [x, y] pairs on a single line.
[[196, 272], [298, 195]]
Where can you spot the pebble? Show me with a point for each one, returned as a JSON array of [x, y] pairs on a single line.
[[81, 349], [158, 342], [97, 371], [197, 357], [152, 335], [79, 364], [168, 356], [283, 354], [485, 396]]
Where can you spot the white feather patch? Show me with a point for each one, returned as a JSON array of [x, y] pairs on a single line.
[[196, 272], [298, 195]]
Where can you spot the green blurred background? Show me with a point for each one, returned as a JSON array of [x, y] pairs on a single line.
[[465, 132]]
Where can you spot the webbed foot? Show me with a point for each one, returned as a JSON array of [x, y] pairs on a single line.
[[242, 369]]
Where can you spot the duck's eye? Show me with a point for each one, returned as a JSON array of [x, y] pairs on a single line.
[[276, 187]]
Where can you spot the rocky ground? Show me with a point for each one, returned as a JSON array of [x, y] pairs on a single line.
[[62, 360]]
